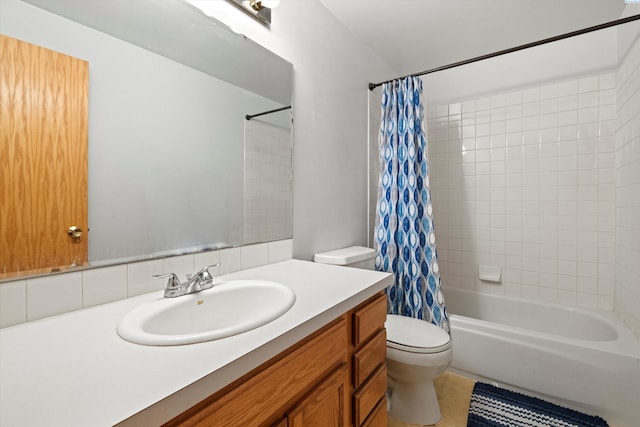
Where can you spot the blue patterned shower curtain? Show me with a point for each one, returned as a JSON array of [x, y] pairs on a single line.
[[404, 235]]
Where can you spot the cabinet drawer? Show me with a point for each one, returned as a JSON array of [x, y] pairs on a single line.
[[369, 318], [378, 417], [368, 396], [369, 357]]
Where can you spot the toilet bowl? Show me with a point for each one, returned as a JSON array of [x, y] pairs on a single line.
[[417, 352]]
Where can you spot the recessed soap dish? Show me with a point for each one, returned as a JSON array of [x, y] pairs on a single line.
[[488, 273]]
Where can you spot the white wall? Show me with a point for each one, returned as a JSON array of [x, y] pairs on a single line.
[[331, 73], [627, 286], [581, 55], [375, 100]]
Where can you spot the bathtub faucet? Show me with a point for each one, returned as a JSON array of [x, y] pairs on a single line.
[[195, 282]]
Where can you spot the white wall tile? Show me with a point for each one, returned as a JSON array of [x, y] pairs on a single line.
[[455, 108], [548, 294], [566, 297], [549, 92], [625, 296], [180, 265], [568, 103], [535, 191], [607, 97], [588, 84], [587, 300], [280, 250], [13, 303], [103, 285], [51, 295], [208, 258], [607, 81], [268, 160], [589, 100], [40, 297], [569, 87], [605, 302], [140, 278], [230, 260], [254, 255]]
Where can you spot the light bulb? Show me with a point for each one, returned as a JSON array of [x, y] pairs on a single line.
[[271, 4]]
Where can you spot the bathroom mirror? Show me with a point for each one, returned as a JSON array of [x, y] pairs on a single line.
[[169, 89]]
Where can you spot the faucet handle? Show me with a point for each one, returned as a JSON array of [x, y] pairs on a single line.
[[205, 274], [206, 268], [172, 283]]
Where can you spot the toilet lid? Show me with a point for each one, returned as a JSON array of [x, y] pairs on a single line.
[[414, 335]]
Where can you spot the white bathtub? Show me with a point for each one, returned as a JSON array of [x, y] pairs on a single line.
[[586, 360]]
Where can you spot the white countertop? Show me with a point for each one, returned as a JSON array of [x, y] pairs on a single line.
[[74, 369]]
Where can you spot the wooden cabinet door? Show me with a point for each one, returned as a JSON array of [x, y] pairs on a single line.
[[43, 155], [325, 406]]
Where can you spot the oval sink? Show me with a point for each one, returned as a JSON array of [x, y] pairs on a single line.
[[226, 309]]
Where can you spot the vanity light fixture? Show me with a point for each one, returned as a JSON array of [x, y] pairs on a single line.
[[258, 5], [259, 9]]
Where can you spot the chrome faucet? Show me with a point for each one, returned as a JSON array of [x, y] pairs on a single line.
[[195, 282]]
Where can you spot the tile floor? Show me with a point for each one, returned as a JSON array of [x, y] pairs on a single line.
[[454, 394]]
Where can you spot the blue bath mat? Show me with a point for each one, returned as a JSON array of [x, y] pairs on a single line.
[[496, 407]]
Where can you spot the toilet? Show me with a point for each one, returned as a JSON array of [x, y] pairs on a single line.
[[417, 351]]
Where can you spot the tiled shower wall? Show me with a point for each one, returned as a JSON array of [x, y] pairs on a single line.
[[525, 181], [627, 238], [268, 193], [543, 182]]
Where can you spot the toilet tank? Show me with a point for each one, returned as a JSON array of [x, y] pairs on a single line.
[[353, 256]]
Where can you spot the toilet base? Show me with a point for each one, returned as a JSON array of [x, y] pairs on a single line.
[[415, 403]]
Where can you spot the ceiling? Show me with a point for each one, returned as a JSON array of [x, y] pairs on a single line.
[[417, 35]]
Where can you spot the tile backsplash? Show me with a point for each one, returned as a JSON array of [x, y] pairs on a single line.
[[39, 297]]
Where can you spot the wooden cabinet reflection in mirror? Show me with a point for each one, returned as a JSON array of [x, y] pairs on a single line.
[[43, 155]]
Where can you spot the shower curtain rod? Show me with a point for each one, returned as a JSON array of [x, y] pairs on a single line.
[[372, 86], [249, 117]]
